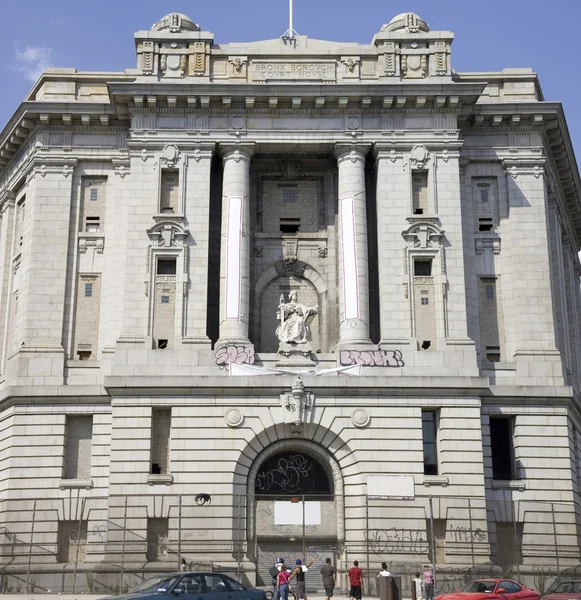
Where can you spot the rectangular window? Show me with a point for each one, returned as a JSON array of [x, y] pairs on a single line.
[[166, 266], [508, 551], [422, 267], [84, 355], [491, 318], [439, 540], [165, 299], [87, 312], [502, 448], [425, 301], [72, 541], [157, 536], [169, 191], [78, 447], [94, 195], [429, 437], [160, 436], [485, 203], [92, 224], [420, 192], [88, 290]]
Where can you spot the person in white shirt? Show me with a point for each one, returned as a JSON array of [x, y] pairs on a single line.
[[384, 572], [418, 587]]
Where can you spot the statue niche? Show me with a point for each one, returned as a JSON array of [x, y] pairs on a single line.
[[293, 332]]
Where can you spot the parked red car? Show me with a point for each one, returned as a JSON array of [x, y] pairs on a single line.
[[565, 590], [484, 589]]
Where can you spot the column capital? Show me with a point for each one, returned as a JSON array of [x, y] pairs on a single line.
[[236, 152], [524, 166], [352, 152], [7, 196]]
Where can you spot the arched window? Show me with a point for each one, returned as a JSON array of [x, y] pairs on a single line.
[[292, 473]]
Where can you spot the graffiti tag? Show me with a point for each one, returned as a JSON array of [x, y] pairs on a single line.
[[234, 354], [371, 358]]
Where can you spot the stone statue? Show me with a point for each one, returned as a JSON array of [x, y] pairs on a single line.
[[294, 321]]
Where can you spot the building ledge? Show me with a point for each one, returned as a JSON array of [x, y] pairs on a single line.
[[73, 484], [161, 479], [517, 484], [435, 480]]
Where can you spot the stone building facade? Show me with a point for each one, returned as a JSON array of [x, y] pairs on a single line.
[[153, 221]]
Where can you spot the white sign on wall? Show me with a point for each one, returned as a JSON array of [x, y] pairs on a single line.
[[349, 247], [397, 487], [233, 250], [291, 513]]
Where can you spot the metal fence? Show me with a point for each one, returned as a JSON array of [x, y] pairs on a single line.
[[110, 544]]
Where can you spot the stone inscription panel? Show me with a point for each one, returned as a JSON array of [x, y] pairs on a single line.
[[311, 71]]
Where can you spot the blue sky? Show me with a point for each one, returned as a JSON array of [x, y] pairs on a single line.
[[490, 35]]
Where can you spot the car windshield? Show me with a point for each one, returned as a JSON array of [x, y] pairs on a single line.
[[153, 584], [568, 587], [479, 587]]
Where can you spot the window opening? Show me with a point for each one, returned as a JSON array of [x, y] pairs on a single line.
[[84, 354], [502, 448], [165, 299], [88, 290], [94, 195], [426, 345], [425, 301], [429, 437], [422, 267], [166, 266], [493, 354], [289, 225], [169, 191], [160, 436], [485, 224], [161, 344], [92, 224]]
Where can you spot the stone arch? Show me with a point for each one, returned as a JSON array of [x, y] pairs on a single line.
[[298, 270], [326, 459]]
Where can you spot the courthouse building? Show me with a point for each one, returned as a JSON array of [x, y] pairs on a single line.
[[288, 298]]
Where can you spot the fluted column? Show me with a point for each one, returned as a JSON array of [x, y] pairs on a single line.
[[235, 251], [353, 267]]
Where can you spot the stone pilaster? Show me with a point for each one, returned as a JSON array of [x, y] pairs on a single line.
[[392, 209], [6, 230], [529, 301], [197, 211], [353, 257], [235, 251]]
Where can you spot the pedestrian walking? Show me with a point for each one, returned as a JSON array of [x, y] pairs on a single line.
[[428, 583], [418, 587], [274, 571], [356, 581], [283, 580], [328, 574], [384, 572], [299, 573], [183, 565]]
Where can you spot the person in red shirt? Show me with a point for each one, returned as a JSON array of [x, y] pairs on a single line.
[[356, 581]]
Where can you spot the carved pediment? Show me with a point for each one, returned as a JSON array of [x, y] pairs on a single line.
[[423, 233], [168, 233]]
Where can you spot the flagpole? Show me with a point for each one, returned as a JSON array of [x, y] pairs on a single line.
[[290, 32]]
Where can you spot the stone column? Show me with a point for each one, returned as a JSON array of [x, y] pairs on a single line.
[[235, 251], [353, 267], [6, 227]]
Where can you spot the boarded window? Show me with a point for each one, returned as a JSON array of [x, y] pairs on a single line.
[[93, 196], [438, 541], [78, 447], [160, 436], [485, 202], [87, 314], [502, 448], [491, 319], [72, 541], [157, 536], [420, 192], [169, 191], [508, 550]]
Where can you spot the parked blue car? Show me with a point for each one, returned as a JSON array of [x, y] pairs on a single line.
[[191, 586]]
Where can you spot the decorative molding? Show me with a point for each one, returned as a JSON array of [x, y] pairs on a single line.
[[233, 417], [91, 240], [290, 268], [423, 233], [489, 242], [170, 155], [360, 418], [419, 156], [297, 402]]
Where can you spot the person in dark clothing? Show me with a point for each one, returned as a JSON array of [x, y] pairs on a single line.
[[299, 573]]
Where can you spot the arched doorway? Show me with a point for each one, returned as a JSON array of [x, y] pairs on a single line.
[[297, 498]]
